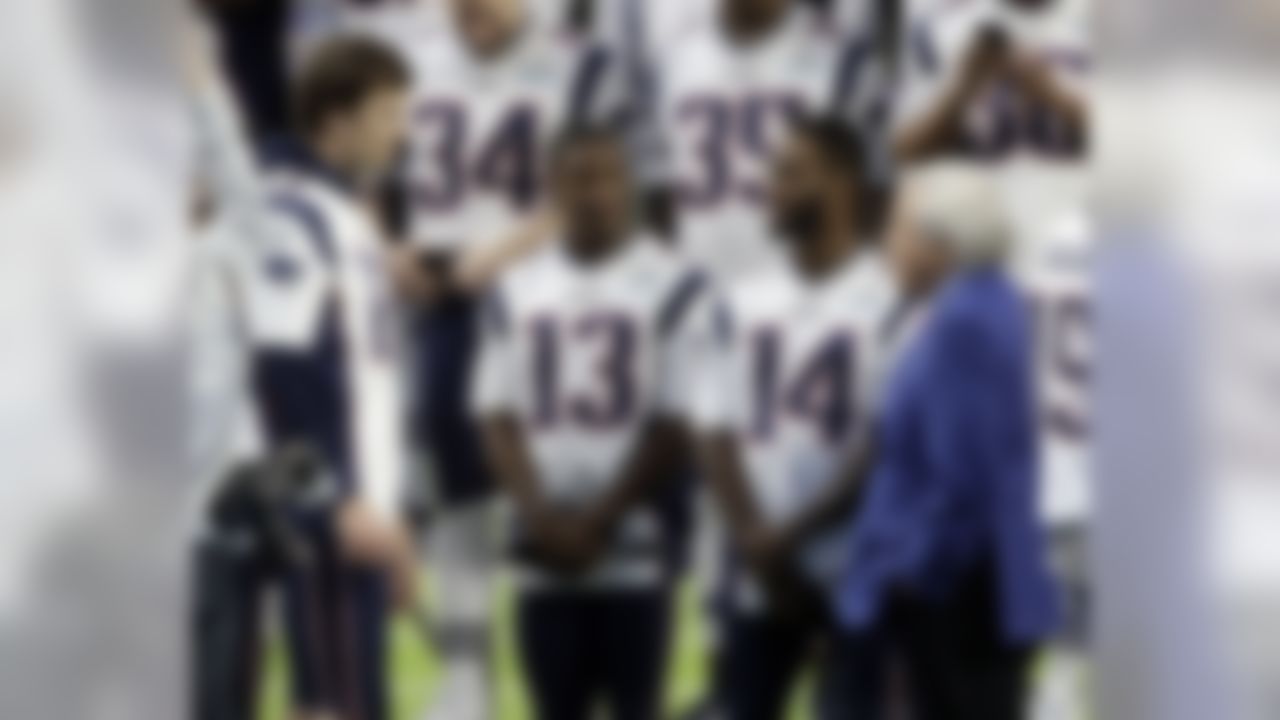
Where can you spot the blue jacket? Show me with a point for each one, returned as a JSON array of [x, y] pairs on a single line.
[[954, 481]]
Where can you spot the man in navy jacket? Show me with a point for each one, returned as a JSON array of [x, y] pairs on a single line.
[[948, 555]]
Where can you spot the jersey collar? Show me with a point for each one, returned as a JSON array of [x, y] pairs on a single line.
[[293, 155]]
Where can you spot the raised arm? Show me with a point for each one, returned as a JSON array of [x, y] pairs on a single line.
[[226, 164], [934, 126]]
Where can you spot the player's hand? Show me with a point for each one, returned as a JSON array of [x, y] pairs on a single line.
[[988, 59], [411, 279], [582, 540], [365, 537], [480, 267], [1030, 75], [766, 550], [404, 576], [570, 542], [790, 595], [198, 55]]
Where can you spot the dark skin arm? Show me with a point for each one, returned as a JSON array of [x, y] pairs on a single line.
[[426, 278], [571, 541], [1032, 76], [766, 550], [937, 129], [656, 458], [771, 551], [722, 465], [834, 506], [508, 455]]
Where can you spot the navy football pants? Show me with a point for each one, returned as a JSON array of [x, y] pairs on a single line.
[[583, 650]]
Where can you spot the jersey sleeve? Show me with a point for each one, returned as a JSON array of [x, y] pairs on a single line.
[[689, 323], [598, 88], [617, 83], [493, 386], [302, 360], [924, 74], [719, 399], [292, 277], [862, 96]]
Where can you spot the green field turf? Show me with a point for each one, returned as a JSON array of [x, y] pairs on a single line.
[[416, 668]]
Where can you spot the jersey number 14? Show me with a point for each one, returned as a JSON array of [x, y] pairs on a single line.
[[820, 392]]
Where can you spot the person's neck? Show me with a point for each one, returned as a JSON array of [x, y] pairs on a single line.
[[822, 255], [1034, 7], [821, 258], [750, 34], [594, 252], [507, 44], [928, 286], [334, 159]]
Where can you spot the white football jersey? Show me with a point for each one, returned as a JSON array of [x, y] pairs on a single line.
[[1042, 163], [796, 379], [937, 42], [1054, 270], [584, 357], [482, 127], [1043, 175], [223, 428], [324, 321], [722, 111]]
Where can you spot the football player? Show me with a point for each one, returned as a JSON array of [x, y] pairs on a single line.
[[727, 83], [495, 79], [582, 392], [327, 371], [788, 407], [726, 76]]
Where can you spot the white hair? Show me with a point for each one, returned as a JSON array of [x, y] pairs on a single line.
[[960, 205]]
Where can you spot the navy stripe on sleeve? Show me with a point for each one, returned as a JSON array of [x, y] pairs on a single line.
[[302, 395], [922, 48], [589, 85], [312, 220], [853, 63], [681, 299]]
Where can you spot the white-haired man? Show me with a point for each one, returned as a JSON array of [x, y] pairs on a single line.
[[947, 555]]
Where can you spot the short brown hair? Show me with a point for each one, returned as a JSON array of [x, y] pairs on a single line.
[[341, 74]]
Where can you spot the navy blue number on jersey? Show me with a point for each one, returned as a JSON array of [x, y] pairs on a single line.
[[1007, 122], [821, 392], [1010, 123], [505, 163], [610, 398], [725, 132], [1062, 322]]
